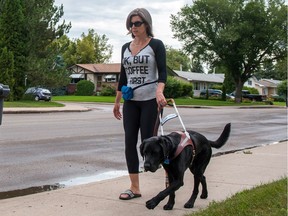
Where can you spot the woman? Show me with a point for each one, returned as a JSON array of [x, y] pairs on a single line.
[[143, 61]]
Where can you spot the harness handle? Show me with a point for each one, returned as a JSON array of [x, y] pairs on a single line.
[[170, 102]]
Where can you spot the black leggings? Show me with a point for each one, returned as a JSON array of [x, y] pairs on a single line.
[[137, 115]]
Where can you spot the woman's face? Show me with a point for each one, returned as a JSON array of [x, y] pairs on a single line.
[[138, 27]]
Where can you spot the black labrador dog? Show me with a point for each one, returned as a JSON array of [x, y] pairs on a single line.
[[195, 155]]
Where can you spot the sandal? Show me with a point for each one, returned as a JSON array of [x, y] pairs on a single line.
[[130, 195]]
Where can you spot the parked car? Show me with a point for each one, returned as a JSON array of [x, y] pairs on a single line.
[[230, 96], [37, 94], [253, 97], [211, 93]]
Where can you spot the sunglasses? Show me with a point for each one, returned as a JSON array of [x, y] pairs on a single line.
[[136, 24]]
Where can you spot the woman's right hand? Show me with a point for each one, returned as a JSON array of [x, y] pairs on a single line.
[[116, 111]]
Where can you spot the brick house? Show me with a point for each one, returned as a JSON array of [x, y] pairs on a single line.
[[99, 74]]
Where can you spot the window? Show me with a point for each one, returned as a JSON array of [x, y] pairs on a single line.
[[110, 78], [196, 86]]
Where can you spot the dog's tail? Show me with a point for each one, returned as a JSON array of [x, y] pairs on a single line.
[[223, 137]]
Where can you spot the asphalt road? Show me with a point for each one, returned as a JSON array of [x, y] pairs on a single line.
[[70, 148]]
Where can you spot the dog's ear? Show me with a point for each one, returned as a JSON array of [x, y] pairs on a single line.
[[142, 146], [164, 143]]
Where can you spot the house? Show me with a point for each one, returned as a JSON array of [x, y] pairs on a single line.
[[264, 86], [200, 81], [109, 74], [99, 74]]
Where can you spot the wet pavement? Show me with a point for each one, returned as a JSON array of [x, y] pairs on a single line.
[[73, 148], [225, 175], [29, 191]]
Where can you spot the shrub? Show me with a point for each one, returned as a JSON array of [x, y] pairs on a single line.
[[29, 97], [251, 90], [172, 88], [217, 86], [282, 89], [108, 91], [84, 88], [187, 89], [175, 88]]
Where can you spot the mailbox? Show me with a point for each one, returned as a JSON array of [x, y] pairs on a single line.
[[4, 93]]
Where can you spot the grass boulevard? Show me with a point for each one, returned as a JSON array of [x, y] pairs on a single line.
[[56, 102], [264, 200]]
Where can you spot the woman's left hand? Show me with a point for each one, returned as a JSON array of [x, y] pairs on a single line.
[[160, 98]]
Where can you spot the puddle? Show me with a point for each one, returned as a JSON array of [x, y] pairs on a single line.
[[27, 191], [68, 183]]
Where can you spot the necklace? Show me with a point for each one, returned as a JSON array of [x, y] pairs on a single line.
[[140, 44], [136, 44]]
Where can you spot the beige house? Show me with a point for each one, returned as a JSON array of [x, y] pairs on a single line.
[[264, 86], [99, 74]]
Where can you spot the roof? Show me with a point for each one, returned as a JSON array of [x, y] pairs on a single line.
[[201, 77], [100, 68], [269, 82], [105, 68]]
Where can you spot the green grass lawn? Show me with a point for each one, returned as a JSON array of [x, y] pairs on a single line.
[[265, 200], [72, 98], [32, 104], [56, 101]]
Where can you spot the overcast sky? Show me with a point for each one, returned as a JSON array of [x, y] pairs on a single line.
[[109, 17]]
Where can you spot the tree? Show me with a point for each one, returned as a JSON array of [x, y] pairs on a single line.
[[89, 49], [7, 69], [228, 84], [27, 29], [176, 59], [280, 69], [196, 66], [265, 71], [270, 70], [240, 35], [50, 71], [282, 90], [13, 40], [42, 20]]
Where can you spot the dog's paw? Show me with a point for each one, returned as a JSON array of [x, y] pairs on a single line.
[[204, 195], [151, 204], [189, 205], [168, 206]]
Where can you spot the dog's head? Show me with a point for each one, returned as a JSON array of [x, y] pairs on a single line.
[[154, 150]]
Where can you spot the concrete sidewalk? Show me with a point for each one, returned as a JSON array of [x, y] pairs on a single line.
[[68, 107], [78, 107], [226, 175]]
